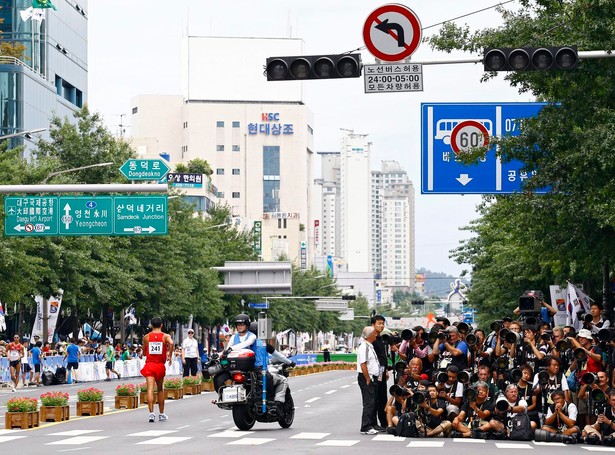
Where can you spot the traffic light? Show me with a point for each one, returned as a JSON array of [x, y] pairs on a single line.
[[349, 297], [313, 67], [530, 58], [418, 302]]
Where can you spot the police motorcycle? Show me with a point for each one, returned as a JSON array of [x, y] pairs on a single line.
[[247, 391]]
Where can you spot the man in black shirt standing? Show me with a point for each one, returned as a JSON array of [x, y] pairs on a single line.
[[381, 387]]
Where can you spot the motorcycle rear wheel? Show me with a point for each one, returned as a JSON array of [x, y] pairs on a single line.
[[242, 418], [287, 418]]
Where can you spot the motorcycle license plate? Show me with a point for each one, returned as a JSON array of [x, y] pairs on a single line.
[[233, 394]]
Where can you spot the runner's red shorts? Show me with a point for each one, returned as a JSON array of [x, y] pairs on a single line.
[[153, 369]]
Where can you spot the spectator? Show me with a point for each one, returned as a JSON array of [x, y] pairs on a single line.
[[26, 369], [72, 357], [368, 369], [109, 360], [36, 362], [190, 354], [326, 351]]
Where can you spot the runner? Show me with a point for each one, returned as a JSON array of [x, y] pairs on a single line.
[[15, 353], [158, 347]]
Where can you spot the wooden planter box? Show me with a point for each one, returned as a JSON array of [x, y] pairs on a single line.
[[143, 397], [55, 413], [131, 402], [193, 389], [21, 420], [174, 394], [207, 386], [90, 408]]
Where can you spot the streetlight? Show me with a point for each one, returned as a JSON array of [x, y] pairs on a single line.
[[53, 174], [27, 133]]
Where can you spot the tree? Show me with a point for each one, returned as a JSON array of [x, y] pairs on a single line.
[[528, 240]]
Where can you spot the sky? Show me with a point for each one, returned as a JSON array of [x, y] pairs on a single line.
[[134, 48]]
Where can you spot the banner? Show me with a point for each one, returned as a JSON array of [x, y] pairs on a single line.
[[558, 301], [53, 312], [2, 320]]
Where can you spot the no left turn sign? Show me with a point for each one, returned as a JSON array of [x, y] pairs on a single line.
[[467, 135], [392, 32]]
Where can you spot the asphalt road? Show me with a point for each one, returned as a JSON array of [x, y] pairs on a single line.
[[327, 420]]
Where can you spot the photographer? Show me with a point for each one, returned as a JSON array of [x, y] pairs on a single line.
[[508, 347], [450, 391], [452, 350], [597, 322], [412, 375], [484, 375], [561, 417], [396, 406], [416, 347], [528, 393], [381, 381], [604, 427], [473, 419], [553, 380], [529, 352], [433, 411], [546, 311], [506, 407], [482, 351], [593, 385]]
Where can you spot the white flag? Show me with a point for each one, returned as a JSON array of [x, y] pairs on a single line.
[[573, 307], [26, 14], [584, 300], [38, 15]]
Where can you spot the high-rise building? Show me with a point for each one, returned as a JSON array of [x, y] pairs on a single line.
[[52, 74], [393, 227], [256, 135]]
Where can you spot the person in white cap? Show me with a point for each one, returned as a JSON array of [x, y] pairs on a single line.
[[190, 354]]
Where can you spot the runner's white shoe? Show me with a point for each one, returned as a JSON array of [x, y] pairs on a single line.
[[152, 417], [163, 417]]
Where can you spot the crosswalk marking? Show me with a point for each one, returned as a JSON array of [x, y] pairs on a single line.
[[506, 445], [77, 440], [426, 444], [230, 434], [251, 441], [311, 400], [152, 433], [165, 440], [344, 386], [73, 432], [310, 436], [9, 438], [338, 443], [330, 392], [388, 438]]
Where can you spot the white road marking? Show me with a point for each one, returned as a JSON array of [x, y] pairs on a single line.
[[165, 440], [230, 434], [252, 441], [9, 438], [598, 449], [470, 440], [182, 427], [339, 443], [75, 449], [152, 433], [330, 392], [388, 438], [506, 445], [311, 400], [310, 436], [550, 444], [345, 386], [426, 444], [73, 433], [77, 440], [206, 420]]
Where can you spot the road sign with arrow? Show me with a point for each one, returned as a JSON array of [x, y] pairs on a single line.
[[392, 32]]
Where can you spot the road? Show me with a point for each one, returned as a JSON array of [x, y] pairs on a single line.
[[327, 421]]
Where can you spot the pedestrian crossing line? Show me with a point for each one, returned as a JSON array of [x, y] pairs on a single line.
[[311, 400], [165, 440], [388, 438], [597, 448], [251, 441], [152, 433], [5, 432], [77, 440], [550, 444], [470, 440], [426, 444], [330, 392], [338, 443], [230, 434], [345, 386], [9, 438], [507, 445], [73, 433], [310, 435]]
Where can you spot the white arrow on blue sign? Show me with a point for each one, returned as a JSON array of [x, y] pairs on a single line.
[[259, 305], [442, 173]]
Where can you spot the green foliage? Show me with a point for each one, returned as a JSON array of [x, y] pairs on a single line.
[[528, 241]]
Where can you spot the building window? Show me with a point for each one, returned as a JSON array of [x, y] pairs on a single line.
[[220, 194], [236, 171], [219, 124], [236, 195], [220, 171], [185, 125], [235, 148], [135, 110], [220, 148], [271, 178], [235, 124]]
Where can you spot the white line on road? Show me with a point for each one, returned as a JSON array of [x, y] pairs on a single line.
[[311, 400], [330, 392], [73, 450], [206, 420], [345, 386], [182, 427]]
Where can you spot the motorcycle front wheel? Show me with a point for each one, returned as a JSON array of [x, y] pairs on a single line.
[[288, 416], [242, 418]]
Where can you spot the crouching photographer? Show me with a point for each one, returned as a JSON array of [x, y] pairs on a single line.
[[560, 424], [432, 411], [506, 407], [603, 429], [450, 389], [476, 408]]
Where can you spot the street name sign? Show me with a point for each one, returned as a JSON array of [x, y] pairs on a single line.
[[393, 77], [392, 32], [259, 305], [135, 169], [449, 129], [32, 216]]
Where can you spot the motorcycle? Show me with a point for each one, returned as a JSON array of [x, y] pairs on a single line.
[[239, 386]]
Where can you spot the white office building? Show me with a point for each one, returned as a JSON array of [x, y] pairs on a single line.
[[256, 135]]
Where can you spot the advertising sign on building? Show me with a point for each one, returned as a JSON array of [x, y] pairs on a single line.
[[258, 237]]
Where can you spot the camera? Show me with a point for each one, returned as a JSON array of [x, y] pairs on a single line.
[[512, 337], [530, 302], [391, 340], [443, 336], [502, 333], [407, 334], [495, 326], [516, 374], [579, 354], [471, 339], [398, 391], [442, 377], [470, 394], [463, 376], [546, 335], [588, 318], [606, 335], [419, 397], [562, 345], [543, 377], [501, 363], [501, 403], [598, 401]]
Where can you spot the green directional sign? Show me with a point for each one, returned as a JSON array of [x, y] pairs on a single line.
[[85, 215], [31, 216], [144, 169], [136, 215]]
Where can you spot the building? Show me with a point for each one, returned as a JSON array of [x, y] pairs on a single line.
[[52, 75], [393, 227], [256, 136]]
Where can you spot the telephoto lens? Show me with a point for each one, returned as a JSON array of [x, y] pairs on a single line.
[[442, 377], [419, 397], [470, 394], [501, 403]]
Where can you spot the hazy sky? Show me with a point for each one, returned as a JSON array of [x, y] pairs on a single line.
[[134, 48]]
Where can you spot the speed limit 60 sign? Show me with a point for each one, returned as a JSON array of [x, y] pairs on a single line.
[[450, 129]]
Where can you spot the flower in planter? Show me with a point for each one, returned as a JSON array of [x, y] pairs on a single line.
[[143, 387], [22, 404], [54, 399], [173, 383], [91, 394], [126, 390], [192, 380]]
